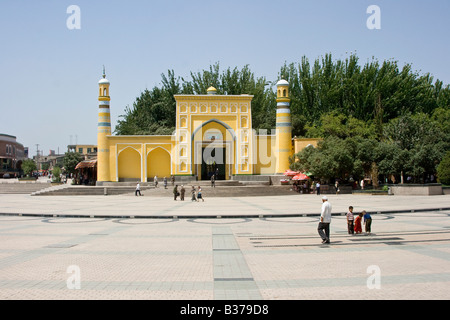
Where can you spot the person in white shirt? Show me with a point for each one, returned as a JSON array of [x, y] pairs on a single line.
[[138, 190], [350, 219], [325, 220]]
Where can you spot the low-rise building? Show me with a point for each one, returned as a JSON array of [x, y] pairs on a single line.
[[12, 154]]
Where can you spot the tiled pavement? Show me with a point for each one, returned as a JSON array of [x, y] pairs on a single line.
[[235, 257]]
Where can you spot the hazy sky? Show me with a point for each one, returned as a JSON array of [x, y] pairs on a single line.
[[49, 73]]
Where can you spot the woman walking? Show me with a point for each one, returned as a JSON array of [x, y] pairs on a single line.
[[199, 194]]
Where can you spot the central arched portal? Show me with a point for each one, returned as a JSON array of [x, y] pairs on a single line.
[[213, 145]]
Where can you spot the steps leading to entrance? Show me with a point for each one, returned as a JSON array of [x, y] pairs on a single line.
[[230, 190], [22, 187], [74, 190]]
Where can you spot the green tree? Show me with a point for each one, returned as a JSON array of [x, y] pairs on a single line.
[[443, 170], [422, 139], [56, 174], [71, 159], [28, 166]]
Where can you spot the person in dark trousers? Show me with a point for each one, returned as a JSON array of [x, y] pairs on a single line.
[[213, 181], [318, 188], [175, 193], [194, 198], [182, 191], [199, 194], [138, 190], [325, 220], [367, 221], [350, 219]]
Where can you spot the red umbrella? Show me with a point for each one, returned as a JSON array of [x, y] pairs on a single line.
[[290, 173], [300, 176]]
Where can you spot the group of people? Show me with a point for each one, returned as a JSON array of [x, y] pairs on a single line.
[[155, 181], [196, 194], [354, 224]]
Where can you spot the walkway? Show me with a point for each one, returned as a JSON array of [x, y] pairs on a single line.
[[251, 253]]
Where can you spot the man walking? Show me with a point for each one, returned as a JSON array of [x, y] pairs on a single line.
[[325, 220], [182, 191], [138, 190], [175, 193]]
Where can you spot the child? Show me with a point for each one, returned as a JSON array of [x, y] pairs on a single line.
[[358, 228], [350, 218], [367, 222]]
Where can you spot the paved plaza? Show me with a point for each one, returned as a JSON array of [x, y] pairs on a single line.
[[249, 248]]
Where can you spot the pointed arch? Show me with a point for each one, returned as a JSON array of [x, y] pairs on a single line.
[[129, 164], [227, 127], [159, 163]]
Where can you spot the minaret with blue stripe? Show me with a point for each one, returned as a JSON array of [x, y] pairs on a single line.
[[283, 144], [103, 130]]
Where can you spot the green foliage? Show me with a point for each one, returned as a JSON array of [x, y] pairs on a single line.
[[28, 166], [443, 170], [71, 159], [56, 172]]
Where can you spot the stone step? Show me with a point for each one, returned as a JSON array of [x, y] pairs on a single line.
[[22, 187], [208, 191], [87, 190]]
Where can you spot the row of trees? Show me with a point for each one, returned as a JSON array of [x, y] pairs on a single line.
[[375, 118], [412, 145]]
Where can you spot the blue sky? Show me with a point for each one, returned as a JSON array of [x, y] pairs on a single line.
[[49, 73]]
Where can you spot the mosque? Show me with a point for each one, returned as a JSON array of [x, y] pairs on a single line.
[[213, 135]]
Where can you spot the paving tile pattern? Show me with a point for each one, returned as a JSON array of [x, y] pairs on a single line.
[[229, 258]]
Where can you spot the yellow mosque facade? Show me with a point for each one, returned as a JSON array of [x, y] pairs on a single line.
[[213, 136]]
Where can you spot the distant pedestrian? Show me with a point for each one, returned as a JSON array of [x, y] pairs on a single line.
[[155, 181], [165, 183], [194, 198], [172, 178], [213, 181], [325, 220], [336, 187], [199, 194], [358, 228], [175, 193], [367, 221], [318, 188], [350, 219], [362, 184], [138, 190], [182, 191]]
